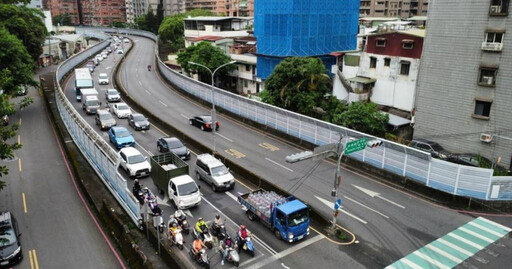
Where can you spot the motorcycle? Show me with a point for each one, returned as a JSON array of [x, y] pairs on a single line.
[[201, 258], [246, 245], [219, 231], [137, 192], [176, 238], [233, 255], [149, 67], [205, 236], [183, 223]]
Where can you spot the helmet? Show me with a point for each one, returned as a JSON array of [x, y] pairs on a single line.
[[174, 224], [199, 219], [136, 180], [242, 227], [178, 213], [217, 216]]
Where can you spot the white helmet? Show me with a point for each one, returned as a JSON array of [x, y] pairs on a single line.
[[178, 213]]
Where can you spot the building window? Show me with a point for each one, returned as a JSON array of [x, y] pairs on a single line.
[[482, 109], [387, 61], [499, 7], [487, 76], [247, 68], [491, 37], [246, 84], [404, 68], [380, 42], [373, 62], [407, 44]]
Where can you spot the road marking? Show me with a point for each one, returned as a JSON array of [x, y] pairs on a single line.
[[236, 153], [276, 163], [444, 253], [232, 196], [140, 83], [369, 208], [19, 122], [19, 164], [476, 235], [224, 137], [188, 213], [287, 252], [147, 151], [485, 229], [184, 116], [24, 202], [164, 104], [34, 264], [374, 194], [148, 92], [286, 267], [331, 206], [31, 259], [495, 224], [268, 146], [473, 244], [19, 139], [459, 249]]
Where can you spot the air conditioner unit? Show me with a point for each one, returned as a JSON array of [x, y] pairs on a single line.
[[488, 80], [487, 138], [495, 9]]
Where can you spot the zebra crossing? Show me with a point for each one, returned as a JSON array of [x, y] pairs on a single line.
[[455, 247]]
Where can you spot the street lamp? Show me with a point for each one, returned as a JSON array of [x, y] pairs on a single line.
[[214, 122]]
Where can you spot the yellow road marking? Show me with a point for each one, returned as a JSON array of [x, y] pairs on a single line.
[[240, 182], [234, 152], [268, 146], [20, 121], [24, 202], [19, 139], [31, 259], [36, 263], [19, 164], [334, 242]]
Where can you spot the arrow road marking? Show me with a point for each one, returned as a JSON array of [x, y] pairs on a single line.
[[188, 213], [278, 164], [376, 194], [163, 201], [232, 196], [331, 206], [369, 208]]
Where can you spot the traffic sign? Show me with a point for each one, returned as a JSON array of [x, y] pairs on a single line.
[[337, 204], [356, 145]]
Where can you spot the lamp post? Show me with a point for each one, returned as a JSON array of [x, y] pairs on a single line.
[[214, 122]]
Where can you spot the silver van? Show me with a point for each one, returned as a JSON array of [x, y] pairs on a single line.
[[214, 172]]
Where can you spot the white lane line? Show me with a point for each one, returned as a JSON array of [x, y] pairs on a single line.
[[484, 228], [164, 104], [457, 248], [249, 261], [276, 163], [391, 202], [331, 206], [369, 208], [232, 196], [140, 83], [147, 151], [148, 92], [286, 267], [224, 137], [495, 224], [430, 260], [411, 264], [287, 252], [444, 253], [257, 239], [184, 116]]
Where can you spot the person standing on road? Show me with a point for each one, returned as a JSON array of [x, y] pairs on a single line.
[[223, 250]]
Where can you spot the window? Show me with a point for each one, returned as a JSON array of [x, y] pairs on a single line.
[[491, 37], [373, 62], [387, 61], [381, 42], [487, 76], [408, 45], [404, 68], [482, 108], [247, 67], [246, 84]]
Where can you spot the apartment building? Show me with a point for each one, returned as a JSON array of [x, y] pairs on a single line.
[[231, 8], [102, 12], [393, 8], [58, 7], [463, 92]]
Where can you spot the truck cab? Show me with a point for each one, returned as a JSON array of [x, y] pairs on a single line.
[[291, 221], [184, 192], [91, 104]]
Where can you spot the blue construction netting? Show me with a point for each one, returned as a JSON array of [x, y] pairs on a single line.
[[304, 28]]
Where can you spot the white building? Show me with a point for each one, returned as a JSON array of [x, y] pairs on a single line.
[[130, 11], [217, 26]]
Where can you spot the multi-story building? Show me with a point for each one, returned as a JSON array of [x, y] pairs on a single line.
[[102, 12], [303, 28], [393, 8], [201, 4], [130, 10], [217, 26], [463, 92], [35, 4], [58, 7], [232, 8]]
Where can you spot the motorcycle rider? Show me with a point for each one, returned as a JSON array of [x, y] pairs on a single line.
[[242, 232], [224, 251], [136, 185], [172, 231], [179, 215], [197, 246], [149, 67], [200, 223]]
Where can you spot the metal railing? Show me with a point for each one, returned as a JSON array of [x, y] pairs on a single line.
[[98, 153], [396, 158]]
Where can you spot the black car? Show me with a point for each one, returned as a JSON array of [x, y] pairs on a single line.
[[10, 247], [138, 122], [436, 150], [203, 122], [476, 160], [173, 144]]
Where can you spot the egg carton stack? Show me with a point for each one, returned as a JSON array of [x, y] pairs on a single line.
[[262, 201]]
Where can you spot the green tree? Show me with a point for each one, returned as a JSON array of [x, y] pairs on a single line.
[[141, 23], [151, 21], [364, 117], [118, 24], [208, 55], [16, 67], [62, 19], [26, 24], [159, 16]]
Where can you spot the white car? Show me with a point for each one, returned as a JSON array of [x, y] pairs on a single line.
[[126, 40], [184, 192], [103, 79], [99, 57], [119, 51], [121, 110], [134, 163]]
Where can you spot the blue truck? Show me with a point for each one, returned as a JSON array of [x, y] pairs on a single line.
[[287, 217]]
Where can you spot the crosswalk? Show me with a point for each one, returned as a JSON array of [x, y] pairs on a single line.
[[455, 247]]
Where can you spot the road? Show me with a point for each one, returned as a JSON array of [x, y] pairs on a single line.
[[388, 223], [58, 230]]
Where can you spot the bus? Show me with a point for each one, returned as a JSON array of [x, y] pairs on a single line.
[[83, 80]]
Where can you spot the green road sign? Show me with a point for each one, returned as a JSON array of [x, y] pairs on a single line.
[[356, 145]]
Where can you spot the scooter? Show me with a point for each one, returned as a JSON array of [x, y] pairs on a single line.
[[177, 239], [233, 256], [205, 236], [246, 245], [183, 223], [137, 192], [201, 259], [219, 231]]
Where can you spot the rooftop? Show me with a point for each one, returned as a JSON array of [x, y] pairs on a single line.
[[213, 18], [184, 179], [412, 32], [418, 18], [378, 19], [292, 206], [207, 38], [68, 38]]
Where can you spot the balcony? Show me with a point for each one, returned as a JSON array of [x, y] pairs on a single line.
[[487, 46]]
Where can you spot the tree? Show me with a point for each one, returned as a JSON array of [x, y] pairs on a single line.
[[364, 117], [206, 54], [26, 24], [141, 23], [62, 19], [16, 67], [151, 20], [118, 24], [159, 15]]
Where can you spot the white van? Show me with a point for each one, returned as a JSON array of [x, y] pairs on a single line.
[[184, 192]]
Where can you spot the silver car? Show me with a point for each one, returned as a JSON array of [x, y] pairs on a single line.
[[214, 172]]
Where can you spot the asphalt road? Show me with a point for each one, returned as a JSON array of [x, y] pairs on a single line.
[[388, 223], [57, 228]]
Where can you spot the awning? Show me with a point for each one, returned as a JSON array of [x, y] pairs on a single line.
[[397, 121], [363, 80]]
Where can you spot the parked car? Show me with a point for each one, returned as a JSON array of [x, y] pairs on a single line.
[[121, 110], [103, 79], [121, 137], [214, 172], [138, 122], [476, 160], [96, 61], [435, 150], [112, 95], [203, 122], [99, 57], [119, 51], [174, 145], [109, 50], [10, 246], [104, 119], [134, 163]]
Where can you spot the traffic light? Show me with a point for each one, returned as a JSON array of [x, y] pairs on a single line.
[[299, 156], [374, 143]]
